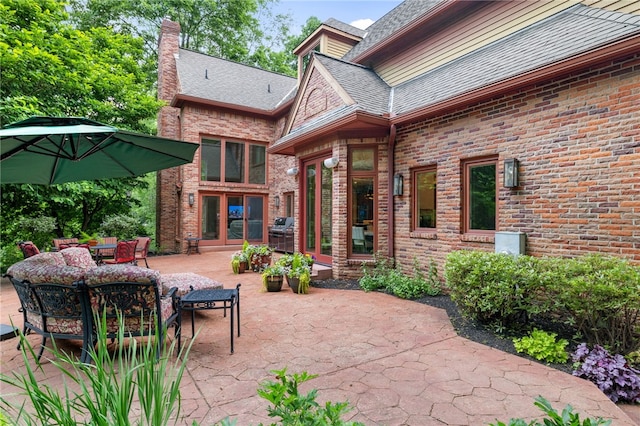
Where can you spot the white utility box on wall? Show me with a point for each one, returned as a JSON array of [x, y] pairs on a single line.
[[510, 242]]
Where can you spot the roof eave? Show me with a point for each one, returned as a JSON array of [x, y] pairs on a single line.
[[441, 10], [355, 121], [626, 46], [179, 100], [308, 43]]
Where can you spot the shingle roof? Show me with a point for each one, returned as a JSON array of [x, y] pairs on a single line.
[[405, 13], [573, 31], [361, 83], [349, 29], [212, 78]]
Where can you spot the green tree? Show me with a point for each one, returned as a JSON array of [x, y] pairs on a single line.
[[51, 68]]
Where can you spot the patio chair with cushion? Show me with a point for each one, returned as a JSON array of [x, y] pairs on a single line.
[[65, 242], [108, 253], [142, 249], [125, 253], [28, 248]]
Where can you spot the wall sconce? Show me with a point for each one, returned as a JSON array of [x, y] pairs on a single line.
[[192, 199], [511, 173], [330, 163], [397, 184], [292, 171], [276, 201]]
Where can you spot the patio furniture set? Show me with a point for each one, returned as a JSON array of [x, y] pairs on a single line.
[[61, 294]]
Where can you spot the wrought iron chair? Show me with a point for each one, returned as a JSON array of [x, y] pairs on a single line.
[[51, 310], [138, 306], [125, 253]]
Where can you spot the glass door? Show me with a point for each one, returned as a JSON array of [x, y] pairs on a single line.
[[317, 210], [245, 218]]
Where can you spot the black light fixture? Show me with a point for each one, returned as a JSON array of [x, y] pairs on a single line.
[[192, 199], [511, 173], [276, 201], [397, 184]]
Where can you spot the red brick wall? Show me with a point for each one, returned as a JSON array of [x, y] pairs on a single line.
[[578, 142], [318, 98]]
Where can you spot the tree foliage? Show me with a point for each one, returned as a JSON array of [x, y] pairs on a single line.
[[51, 68]]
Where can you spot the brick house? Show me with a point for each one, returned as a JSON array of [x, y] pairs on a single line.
[[405, 139]]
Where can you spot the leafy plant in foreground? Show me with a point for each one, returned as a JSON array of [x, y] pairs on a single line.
[[543, 346], [567, 418], [102, 393], [611, 373], [294, 408]]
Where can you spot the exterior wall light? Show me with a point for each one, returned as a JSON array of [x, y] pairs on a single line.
[[330, 163], [397, 184], [276, 201], [511, 173], [292, 171], [192, 199]]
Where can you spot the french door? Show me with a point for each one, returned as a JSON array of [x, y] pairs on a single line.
[[317, 210], [232, 219]]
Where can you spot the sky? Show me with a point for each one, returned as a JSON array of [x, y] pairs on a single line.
[[359, 13]]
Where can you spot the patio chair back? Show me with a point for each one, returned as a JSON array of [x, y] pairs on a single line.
[[28, 248], [65, 242], [142, 249], [125, 252]]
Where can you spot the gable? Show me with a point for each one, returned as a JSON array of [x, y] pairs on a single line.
[[318, 95]]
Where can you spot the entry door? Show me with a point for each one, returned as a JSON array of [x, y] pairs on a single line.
[[317, 210]]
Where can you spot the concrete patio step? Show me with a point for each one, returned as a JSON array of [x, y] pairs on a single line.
[[321, 272]]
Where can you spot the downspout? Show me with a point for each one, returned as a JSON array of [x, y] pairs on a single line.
[[391, 159]]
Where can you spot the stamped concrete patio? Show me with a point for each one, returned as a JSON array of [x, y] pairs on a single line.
[[397, 362]]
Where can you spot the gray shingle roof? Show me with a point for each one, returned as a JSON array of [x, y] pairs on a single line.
[[349, 29], [399, 17], [212, 78], [361, 83], [575, 30]]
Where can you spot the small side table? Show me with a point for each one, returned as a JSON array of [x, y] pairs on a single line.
[[193, 245], [197, 300]]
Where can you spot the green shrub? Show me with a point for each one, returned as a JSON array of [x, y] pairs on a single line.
[[601, 299], [543, 346], [121, 226], [495, 288], [385, 276], [567, 418], [39, 229]]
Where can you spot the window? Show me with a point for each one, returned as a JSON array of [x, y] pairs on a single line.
[[424, 198], [480, 192], [363, 200], [238, 166]]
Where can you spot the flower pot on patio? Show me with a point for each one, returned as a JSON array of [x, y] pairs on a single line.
[[274, 283]]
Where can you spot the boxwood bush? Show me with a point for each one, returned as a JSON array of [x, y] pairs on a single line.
[[597, 296]]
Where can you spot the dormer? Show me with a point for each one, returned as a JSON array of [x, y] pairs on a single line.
[[332, 37]]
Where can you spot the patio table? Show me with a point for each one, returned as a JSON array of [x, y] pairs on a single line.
[[97, 256], [197, 300]]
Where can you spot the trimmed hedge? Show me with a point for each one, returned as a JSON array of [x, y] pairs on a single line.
[[598, 296]]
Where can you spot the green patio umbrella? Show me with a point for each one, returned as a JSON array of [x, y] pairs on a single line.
[[48, 150]]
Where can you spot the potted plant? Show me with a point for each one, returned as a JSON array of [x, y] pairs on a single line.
[[239, 262], [91, 239], [272, 277], [299, 274], [260, 257]]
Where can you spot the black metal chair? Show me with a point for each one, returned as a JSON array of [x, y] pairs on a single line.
[[51, 310]]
